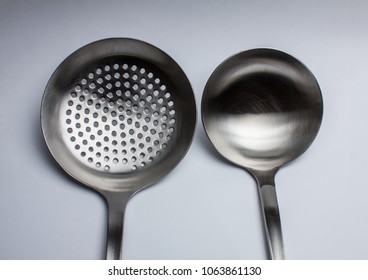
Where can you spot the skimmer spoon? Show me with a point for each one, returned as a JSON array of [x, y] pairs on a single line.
[[118, 115]]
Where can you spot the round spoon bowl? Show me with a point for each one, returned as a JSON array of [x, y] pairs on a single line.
[[261, 109]]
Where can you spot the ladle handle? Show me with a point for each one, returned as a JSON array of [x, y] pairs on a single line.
[[116, 204], [272, 221]]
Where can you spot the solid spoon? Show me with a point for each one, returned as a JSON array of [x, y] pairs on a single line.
[[261, 109]]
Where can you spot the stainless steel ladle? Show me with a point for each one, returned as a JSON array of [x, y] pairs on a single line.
[[261, 109]]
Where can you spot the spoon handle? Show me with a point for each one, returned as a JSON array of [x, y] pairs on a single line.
[[116, 204], [272, 221]]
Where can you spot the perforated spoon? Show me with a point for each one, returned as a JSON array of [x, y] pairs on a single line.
[[118, 115], [261, 109]]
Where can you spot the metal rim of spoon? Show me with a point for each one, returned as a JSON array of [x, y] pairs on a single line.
[[261, 109]]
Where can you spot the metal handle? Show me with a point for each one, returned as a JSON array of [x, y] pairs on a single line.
[[272, 221], [116, 203]]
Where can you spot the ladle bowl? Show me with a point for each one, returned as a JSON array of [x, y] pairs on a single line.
[[261, 109]]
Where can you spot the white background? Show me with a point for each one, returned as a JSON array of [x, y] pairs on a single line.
[[205, 208]]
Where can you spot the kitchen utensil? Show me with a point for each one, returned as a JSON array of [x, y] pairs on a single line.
[[261, 109], [118, 115]]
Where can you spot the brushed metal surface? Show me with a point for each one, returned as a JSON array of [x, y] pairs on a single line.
[[117, 115], [261, 109]]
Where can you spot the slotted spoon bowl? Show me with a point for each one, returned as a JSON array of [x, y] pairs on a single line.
[[117, 115]]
